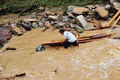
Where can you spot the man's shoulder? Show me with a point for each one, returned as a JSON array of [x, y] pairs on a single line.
[[66, 32]]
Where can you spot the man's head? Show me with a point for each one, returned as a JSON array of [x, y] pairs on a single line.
[[62, 31]]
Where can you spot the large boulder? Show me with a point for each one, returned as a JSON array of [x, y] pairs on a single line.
[[102, 12], [81, 21], [79, 10], [5, 34], [25, 25], [16, 29]]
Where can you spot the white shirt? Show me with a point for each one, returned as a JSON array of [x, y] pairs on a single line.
[[69, 36]]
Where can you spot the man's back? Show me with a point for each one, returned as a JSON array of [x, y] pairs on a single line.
[[69, 36]]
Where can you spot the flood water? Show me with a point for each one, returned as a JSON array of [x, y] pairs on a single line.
[[98, 60]]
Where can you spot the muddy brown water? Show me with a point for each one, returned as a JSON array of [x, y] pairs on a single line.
[[98, 60]]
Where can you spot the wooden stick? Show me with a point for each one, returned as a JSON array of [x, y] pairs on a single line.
[[110, 22], [82, 39], [116, 22], [98, 28]]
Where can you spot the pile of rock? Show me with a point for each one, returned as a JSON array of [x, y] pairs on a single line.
[[76, 18]]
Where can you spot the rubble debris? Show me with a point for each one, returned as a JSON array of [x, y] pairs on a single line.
[[102, 12], [83, 22], [9, 48]]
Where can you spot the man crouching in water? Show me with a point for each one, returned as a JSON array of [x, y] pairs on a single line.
[[70, 39]]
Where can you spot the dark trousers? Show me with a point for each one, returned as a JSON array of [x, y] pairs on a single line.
[[67, 44]]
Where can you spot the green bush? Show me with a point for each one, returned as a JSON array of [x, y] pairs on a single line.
[[30, 5]]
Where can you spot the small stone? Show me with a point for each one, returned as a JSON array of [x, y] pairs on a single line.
[[60, 24], [79, 29], [52, 22], [35, 25], [64, 19], [40, 24], [41, 9], [107, 7], [47, 24], [72, 26], [70, 8], [53, 17], [43, 19], [30, 20]]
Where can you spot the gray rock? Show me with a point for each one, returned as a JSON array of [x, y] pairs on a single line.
[[107, 6], [43, 19], [64, 19], [25, 25], [79, 29], [70, 8], [60, 24], [35, 25], [72, 26], [40, 24], [83, 22], [52, 22]]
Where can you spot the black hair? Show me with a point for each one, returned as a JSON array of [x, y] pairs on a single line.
[[61, 30]]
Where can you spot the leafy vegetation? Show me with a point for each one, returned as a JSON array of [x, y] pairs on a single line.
[[30, 5]]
